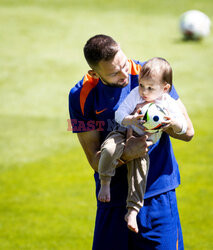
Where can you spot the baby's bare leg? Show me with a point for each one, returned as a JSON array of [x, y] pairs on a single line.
[[104, 193], [131, 220]]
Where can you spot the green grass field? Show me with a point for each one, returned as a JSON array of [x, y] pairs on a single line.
[[47, 196]]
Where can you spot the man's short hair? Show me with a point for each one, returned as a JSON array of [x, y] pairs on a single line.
[[157, 67], [100, 47]]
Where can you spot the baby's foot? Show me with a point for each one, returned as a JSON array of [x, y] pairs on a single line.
[[130, 218], [104, 193]]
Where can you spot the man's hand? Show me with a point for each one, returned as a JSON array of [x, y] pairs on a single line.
[[135, 147]]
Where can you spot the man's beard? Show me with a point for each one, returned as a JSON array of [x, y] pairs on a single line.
[[117, 85]]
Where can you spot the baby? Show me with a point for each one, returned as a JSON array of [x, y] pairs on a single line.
[[155, 82]]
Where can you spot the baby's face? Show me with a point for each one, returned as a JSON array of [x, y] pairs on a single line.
[[151, 89]]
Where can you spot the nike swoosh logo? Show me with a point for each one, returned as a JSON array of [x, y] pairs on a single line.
[[99, 112]]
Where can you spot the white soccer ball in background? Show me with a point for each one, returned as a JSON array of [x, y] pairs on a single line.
[[153, 117], [194, 25]]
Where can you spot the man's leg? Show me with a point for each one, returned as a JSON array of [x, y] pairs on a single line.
[[111, 232], [159, 224]]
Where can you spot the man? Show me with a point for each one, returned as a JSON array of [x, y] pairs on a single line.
[[92, 103]]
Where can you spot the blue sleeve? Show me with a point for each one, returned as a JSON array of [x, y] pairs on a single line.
[[80, 121], [173, 93], [138, 62]]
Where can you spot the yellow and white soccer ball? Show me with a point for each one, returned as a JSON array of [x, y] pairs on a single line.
[[194, 25], [153, 117]]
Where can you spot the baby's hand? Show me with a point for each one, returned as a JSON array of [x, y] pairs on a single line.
[[138, 107], [167, 123], [171, 123], [136, 120], [137, 117]]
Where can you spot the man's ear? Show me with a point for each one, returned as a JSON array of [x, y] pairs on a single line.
[[93, 74]]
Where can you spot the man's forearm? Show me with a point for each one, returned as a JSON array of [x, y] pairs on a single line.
[[94, 163], [90, 142], [184, 137], [190, 130]]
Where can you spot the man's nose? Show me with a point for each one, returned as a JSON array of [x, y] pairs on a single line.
[[124, 73]]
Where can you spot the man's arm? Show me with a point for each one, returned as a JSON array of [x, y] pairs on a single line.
[[90, 142], [190, 130]]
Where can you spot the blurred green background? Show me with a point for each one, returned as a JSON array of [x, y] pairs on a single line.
[[47, 198]]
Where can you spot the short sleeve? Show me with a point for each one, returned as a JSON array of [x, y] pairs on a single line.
[[82, 120], [173, 93]]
